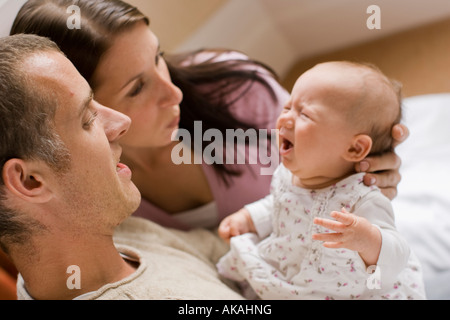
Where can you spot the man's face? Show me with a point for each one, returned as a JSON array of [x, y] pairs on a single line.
[[96, 189]]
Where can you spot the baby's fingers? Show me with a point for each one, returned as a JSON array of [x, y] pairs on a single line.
[[330, 240], [327, 237], [330, 224], [224, 230], [343, 220], [347, 219]]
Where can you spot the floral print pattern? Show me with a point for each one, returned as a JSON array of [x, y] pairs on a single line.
[[290, 265]]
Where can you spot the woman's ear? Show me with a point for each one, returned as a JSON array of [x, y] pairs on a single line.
[[359, 148], [22, 178]]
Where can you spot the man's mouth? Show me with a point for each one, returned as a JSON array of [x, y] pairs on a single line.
[[123, 169]]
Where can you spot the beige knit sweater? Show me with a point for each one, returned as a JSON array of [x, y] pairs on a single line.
[[172, 265]]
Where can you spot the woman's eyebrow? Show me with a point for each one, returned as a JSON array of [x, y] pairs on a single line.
[[132, 79], [158, 48]]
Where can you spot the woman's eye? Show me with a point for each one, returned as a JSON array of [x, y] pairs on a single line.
[[158, 57], [137, 89]]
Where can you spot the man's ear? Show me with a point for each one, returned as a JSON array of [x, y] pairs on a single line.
[[23, 179], [359, 148]]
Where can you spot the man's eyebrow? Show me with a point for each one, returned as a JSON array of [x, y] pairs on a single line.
[[86, 103]]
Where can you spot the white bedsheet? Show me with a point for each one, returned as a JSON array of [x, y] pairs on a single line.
[[422, 206]]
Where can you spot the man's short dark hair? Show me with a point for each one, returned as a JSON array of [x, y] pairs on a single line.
[[26, 121]]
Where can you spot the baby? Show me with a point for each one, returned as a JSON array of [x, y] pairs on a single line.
[[283, 246]]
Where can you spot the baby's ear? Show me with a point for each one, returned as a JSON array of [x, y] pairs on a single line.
[[359, 148]]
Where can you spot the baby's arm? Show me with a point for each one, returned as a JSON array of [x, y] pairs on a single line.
[[255, 218], [375, 209], [236, 224], [351, 232]]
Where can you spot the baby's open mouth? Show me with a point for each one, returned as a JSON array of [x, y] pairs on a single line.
[[285, 145]]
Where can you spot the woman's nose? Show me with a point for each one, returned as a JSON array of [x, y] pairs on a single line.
[[171, 95], [115, 124]]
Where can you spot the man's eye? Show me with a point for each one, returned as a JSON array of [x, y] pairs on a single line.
[[88, 124]]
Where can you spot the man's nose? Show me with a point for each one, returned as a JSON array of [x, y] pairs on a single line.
[[115, 124]]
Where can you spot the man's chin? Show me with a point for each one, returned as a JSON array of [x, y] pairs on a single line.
[[131, 203]]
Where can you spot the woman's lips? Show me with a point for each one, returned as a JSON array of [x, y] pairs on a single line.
[[174, 123]]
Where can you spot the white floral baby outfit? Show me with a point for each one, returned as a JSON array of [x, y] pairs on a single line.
[[288, 264]]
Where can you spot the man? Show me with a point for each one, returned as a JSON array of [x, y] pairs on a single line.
[[63, 192]]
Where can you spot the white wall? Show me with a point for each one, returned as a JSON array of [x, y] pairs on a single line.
[[279, 32], [8, 12]]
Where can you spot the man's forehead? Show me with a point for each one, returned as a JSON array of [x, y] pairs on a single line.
[[54, 73], [49, 66], [43, 59]]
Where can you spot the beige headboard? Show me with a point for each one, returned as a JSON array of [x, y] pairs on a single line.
[[419, 58]]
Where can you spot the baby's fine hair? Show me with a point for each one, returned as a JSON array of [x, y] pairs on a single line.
[[380, 107]]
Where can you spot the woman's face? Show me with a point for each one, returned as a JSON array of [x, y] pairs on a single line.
[[133, 78]]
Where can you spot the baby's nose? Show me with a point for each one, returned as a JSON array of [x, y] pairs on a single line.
[[289, 124]]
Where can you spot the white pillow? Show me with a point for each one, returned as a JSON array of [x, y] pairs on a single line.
[[422, 206]]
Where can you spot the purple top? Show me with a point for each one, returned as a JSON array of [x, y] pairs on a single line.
[[256, 106]]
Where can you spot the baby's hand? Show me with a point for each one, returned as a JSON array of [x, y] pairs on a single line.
[[236, 224], [352, 232]]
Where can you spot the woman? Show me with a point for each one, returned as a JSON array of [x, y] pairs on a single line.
[[121, 59]]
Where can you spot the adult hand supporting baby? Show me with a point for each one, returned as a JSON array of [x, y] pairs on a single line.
[[352, 232], [383, 171]]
